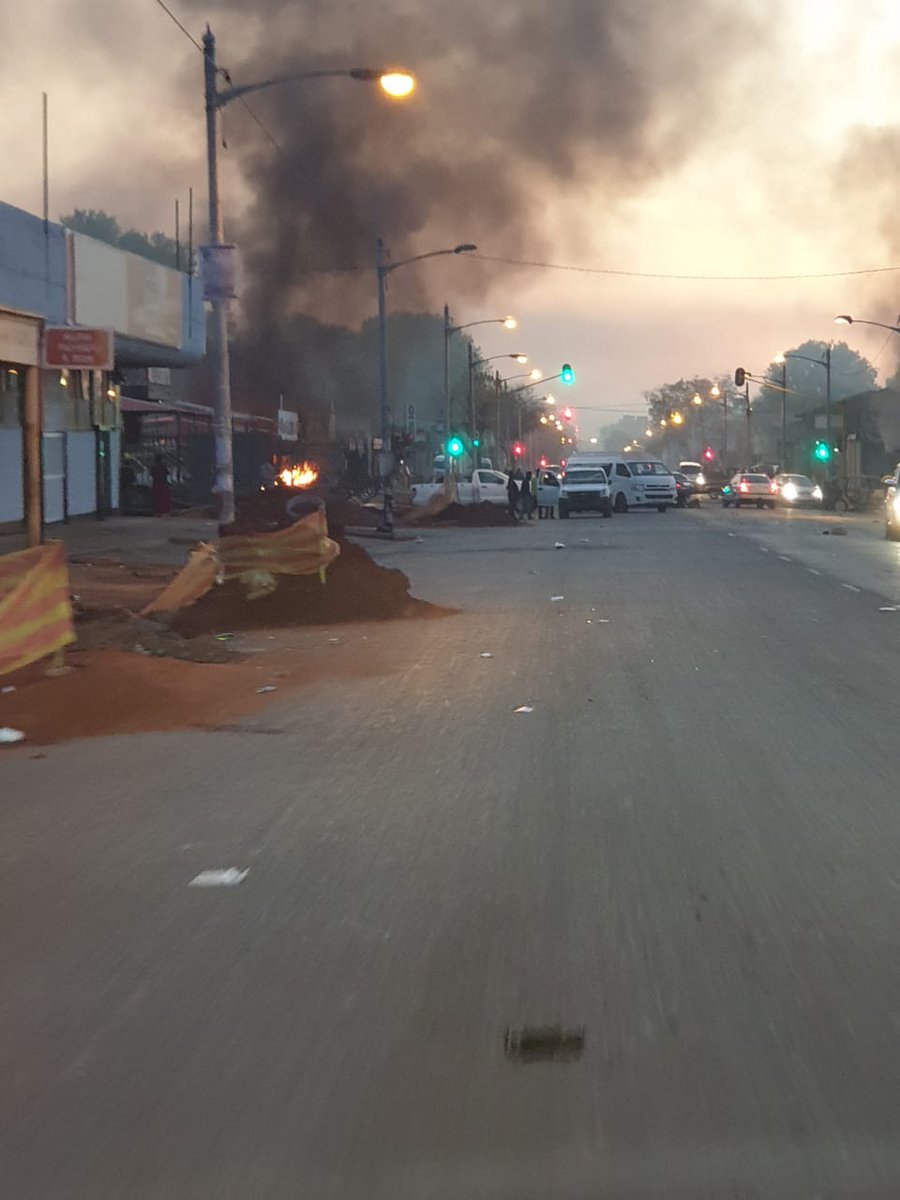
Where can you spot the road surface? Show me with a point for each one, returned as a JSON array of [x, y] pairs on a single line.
[[690, 849]]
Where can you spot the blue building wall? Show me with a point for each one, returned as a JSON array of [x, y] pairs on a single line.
[[32, 265]]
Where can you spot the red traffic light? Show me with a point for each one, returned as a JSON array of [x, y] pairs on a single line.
[[567, 413], [518, 450], [543, 461], [709, 454]]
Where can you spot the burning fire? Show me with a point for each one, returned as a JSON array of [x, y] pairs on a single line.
[[302, 476]]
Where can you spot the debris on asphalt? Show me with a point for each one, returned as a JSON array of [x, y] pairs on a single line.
[[524, 708], [837, 532], [542, 1043], [559, 545], [485, 654], [270, 687], [5, 691], [603, 620], [224, 637], [9, 736], [887, 608], [553, 599], [222, 877]]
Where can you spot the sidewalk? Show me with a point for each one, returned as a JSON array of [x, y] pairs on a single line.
[[163, 541]]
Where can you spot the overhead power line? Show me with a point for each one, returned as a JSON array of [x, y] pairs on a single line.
[[548, 266]]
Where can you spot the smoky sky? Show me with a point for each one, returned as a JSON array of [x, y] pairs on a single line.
[[518, 102]]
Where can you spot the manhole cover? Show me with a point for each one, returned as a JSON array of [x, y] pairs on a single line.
[[544, 1043]]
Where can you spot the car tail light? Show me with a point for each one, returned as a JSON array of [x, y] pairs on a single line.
[[744, 487], [773, 486]]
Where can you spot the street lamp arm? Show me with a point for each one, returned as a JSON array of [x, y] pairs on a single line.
[[845, 320], [534, 383], [366, 74], [820, 362], [465, 248], [472, 324]]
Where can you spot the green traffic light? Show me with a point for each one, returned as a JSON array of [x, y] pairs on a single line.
[[567, 375], [822, 451], [455, 447], [476, 442]]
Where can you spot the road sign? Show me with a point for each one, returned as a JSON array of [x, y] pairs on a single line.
[[68, 347]]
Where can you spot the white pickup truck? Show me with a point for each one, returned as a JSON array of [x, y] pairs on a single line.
[[485, 486]]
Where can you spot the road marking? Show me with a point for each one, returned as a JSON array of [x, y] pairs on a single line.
[[784, 558], [813, 571], [850, 587]]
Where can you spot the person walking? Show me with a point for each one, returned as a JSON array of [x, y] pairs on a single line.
[[160, 492], [512, 495]]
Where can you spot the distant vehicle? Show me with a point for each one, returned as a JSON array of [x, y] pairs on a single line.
[[549, 486], [684, 488], [797, 490], [694, 472], [634, 482], [584, 489], [892, 505], [484, 486], [748, 488]]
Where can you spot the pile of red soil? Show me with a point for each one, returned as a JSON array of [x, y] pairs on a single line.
[[108, 585], [355, 589], [481, 515]]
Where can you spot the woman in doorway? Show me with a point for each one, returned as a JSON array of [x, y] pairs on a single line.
[[161, 492]]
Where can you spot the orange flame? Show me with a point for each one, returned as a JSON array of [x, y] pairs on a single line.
[[303, 476]]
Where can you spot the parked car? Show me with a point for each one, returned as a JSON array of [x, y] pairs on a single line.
[[684, 489], [797, 490], [892, 505], [584, 489], [748, 488], [634, 482], [694, 472]]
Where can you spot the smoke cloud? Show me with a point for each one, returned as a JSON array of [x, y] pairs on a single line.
[[519, 102]]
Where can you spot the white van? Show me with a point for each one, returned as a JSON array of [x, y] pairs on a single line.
[[635, 480]]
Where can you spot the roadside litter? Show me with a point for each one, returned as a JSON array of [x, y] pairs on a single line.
[[559, 545], [9, 736], [485, 654], [524, 708], [227, 877], [887, 608], [553, 599], [268, 688]]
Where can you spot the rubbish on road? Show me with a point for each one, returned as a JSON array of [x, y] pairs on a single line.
[[270, 687], [887, 608], [603, 620], [553, 599], [837, 532], [584, 541], [224, 637], [524, 708], [333, 640], [9, 688], [9, 736], [559, 545], [485, 654], [540, 1043], [221, 877], [589, 621]]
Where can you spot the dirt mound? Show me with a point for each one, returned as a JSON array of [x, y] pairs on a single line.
[[106, 585], [150, 638], [479, 515], [355, 589]]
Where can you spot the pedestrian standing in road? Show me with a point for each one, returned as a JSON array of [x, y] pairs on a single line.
[[160, 492], [512, 495], [527, 496]]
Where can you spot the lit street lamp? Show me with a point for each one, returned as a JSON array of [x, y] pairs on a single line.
[[844, 319], [382, 270], [395, 83], [449, 330]]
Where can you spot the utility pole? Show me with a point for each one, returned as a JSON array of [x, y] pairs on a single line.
[[385, 463], [749, 429], [828, 398], [223, 480], [472, 429], [447, 332], [783, 464]]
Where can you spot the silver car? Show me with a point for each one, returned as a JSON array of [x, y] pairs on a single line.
[[748, 488], [796, 490]]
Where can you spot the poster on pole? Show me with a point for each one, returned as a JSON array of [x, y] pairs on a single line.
[[219, 271]]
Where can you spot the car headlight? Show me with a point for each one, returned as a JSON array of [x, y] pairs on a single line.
[[789, 491], [895, 504], [700, 480], [817, 493]]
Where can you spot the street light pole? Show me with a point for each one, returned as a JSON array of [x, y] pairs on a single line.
[[223, 478], [783, 464], [447, 333], [385, 456]]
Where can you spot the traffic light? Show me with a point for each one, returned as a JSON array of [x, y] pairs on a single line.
[[567, 375], [740, 377], [455, 447], [709, 454], [822, 451], [476, 442], [518, 450], [567, 413]]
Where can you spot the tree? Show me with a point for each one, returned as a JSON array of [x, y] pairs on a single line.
[[95, 223]]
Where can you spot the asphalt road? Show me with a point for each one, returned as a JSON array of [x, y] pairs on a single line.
[[689, 848]]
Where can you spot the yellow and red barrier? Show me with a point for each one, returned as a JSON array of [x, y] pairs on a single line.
[[35, 611]]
